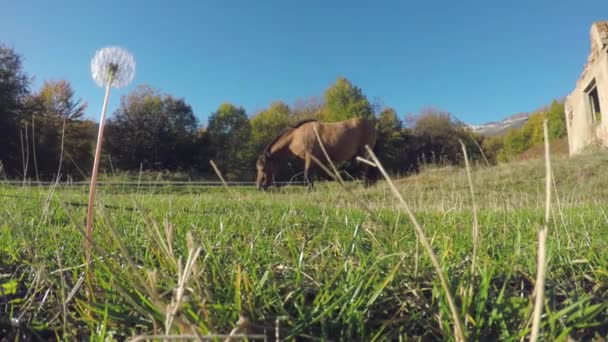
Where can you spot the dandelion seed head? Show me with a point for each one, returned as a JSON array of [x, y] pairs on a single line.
[[113, 61]]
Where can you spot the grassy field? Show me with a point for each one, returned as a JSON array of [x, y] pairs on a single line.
[[310, 266]]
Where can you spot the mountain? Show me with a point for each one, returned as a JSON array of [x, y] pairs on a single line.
[[500, 127]]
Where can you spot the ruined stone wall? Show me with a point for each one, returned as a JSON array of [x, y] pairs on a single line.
[[602, 130], [582, 130]]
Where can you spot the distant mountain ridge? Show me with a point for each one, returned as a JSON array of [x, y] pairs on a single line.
[[501, 127]]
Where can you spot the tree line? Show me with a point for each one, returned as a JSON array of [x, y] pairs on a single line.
[[44, 135]]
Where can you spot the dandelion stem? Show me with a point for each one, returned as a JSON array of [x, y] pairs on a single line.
[[102, 120]]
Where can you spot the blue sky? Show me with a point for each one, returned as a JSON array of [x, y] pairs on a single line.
[[480, 60]]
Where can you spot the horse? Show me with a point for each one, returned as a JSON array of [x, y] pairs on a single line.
[[343, 141]]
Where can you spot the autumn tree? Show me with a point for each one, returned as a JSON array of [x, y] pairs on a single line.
[[56, 98], [59, 136]]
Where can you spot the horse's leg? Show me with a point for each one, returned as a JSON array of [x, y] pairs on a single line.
[[307, 179], [369, 172], [366, 173]]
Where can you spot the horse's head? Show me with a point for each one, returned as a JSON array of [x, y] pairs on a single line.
[[265, 168]]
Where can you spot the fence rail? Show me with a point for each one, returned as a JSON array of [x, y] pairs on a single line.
[[141, 184]]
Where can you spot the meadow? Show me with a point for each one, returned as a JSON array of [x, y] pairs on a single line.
[[202, 262]]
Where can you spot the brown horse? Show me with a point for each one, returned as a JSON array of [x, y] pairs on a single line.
[[343, 141]]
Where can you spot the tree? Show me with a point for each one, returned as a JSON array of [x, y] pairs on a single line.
[[63, 147], [229, 132], [78, 149], [492, 147], [304, 109], [438, 136], [557, 120], [203, 151], [267, 124], [388, 121], [343, 101], [52, 118], [391, 146], [14, 87], [516, 141], [56, 98], [154, 130]]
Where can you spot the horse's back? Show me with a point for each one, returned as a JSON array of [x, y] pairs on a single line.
[[343, 140], [359, 131]]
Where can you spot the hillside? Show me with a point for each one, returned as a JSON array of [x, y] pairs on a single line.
[[559, 147], [518, 184]]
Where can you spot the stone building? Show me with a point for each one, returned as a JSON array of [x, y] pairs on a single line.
[[586, 107]]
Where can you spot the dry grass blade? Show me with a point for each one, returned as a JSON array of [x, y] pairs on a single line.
[[336, 176], [458, 326], [365, 161], [183, 276], [219, 174], [541, 271], [235, 194], [475, 218], [224, 183], [242, 328], [23, 158], [34, 149], [361, 203], [61, 153], [64, 307], [331, 163]]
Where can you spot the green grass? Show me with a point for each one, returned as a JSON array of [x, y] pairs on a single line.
[[309, 265]]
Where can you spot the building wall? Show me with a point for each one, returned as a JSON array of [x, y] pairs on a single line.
[[602, 130], [582, 130]]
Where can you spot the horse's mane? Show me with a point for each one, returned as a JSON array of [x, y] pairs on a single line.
[[285, 131]]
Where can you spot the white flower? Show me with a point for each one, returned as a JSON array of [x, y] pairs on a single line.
[[115, 64]]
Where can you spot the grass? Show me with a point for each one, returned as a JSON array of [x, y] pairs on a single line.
[[204, 261]]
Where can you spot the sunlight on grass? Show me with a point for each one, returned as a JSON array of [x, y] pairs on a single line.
[[200, 261]]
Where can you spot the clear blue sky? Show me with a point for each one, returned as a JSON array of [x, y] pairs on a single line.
[[480, 60]]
